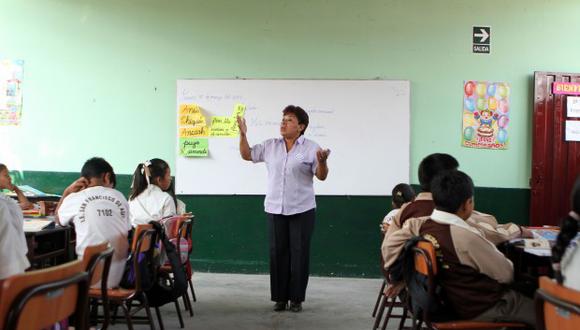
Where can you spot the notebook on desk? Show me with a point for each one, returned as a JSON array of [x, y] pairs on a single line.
[[34, 225]]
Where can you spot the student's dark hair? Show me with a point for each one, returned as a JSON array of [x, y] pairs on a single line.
[[96, 167], [402, 193], [300, 114], [3, 167], [451, 189], [157, 169], [568, 230], [432, 165], [171, 192]]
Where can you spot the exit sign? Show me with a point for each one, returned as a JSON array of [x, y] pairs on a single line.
[[481, 39]]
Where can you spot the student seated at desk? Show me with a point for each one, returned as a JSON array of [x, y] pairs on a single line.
[[6, 183], [148, 199], [13, 246], [99, 213], [423, 205], [401, 194], [566, 251], [473, 273]]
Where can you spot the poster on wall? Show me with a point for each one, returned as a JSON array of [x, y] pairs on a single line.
[[486, 116], [10, 92]]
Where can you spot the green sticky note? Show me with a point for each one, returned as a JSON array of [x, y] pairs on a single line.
[[239, 110], [193, 147]]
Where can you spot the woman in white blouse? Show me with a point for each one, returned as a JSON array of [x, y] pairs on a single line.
[[148, 200]]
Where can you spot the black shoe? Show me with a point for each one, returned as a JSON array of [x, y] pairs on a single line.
[[295, 307], [280, 306]]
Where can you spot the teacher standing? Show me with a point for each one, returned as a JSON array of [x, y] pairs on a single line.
[[292, 161]]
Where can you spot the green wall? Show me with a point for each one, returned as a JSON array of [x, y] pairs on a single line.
[[100, 80]]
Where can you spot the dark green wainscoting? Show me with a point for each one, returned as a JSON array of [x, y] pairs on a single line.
[[230, 232]]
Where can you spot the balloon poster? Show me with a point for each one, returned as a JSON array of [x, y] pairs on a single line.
[[10, 92], [486, 115]]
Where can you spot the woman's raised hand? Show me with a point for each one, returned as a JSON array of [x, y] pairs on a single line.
[[242, 125]]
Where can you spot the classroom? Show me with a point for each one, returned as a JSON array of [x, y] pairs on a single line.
[[100, 79]]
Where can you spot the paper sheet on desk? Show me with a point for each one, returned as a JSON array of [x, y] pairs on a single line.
[[539, 252], [35, 225]]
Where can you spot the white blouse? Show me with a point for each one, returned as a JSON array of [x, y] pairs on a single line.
[[151, 204]]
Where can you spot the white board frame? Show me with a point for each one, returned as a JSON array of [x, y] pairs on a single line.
[[366, 124]]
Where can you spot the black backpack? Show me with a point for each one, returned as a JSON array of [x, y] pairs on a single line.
[[403, 269], [165, 290]]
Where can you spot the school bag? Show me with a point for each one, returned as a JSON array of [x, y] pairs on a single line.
[[436, 305], [165, 290]]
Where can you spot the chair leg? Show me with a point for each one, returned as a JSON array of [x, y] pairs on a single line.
[[107, 314], [187, 303], [192, 290], [127, 315], [161, 326], [403, 318], [380, 312], [379, 297], [391, 302], [177, 308]]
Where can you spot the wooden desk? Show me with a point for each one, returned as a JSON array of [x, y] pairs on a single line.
[[50, 247], [527, 267]]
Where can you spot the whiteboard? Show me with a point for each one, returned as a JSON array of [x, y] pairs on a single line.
[[365, 123]]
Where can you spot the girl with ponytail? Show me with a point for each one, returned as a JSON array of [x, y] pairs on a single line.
[[566, 251], [148, 199]]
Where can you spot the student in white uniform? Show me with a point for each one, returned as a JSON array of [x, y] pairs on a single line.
[[566, 251], [6, 183], [148, 199], [12, 241], [99, 213]]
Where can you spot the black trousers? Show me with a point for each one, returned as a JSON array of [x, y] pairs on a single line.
[[290, 254]]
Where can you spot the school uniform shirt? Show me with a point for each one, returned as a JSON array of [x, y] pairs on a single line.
[[571, 265], [99, 214], [388, 219], [17, 221], [12, 257], [151, 204], [473, 271], [487, 224], [290, 187]]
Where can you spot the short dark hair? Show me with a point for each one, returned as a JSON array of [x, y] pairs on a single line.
[[432, 165], [96, 167], [451, 189], [300, 114], [3, 167], [402, 193]]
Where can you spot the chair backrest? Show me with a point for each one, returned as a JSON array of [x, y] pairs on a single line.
[[557, 307], [425, 259], [38, 299], [97, 262], [142, 253]]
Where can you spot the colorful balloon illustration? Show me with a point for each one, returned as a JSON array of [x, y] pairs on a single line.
[[504, 106], [469, 87], [469, 104], [481, 104], [502, 135], [468, 133], [492, 103], [503, 91], [481, 89], [503, 121], [491, 90]]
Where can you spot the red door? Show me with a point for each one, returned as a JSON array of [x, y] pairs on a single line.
[[555, 162]]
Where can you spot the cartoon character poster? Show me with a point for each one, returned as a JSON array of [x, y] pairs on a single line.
[[10, 92], [486, 115]]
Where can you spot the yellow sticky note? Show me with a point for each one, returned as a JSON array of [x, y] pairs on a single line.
[[239, 110], [189, 108], [188, 132], [196, 119], [193, 147], [224, 126]]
